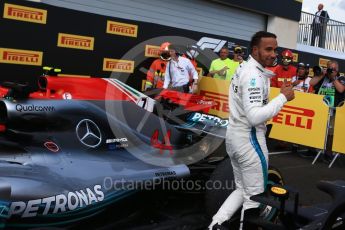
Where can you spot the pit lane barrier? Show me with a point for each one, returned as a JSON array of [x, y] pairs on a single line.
[[338, 146], [304, 121]]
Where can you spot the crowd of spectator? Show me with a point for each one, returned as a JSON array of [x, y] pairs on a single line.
[[326, 81]]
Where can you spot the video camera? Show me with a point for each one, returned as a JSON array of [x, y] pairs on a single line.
[[318, 70], [329, 70]]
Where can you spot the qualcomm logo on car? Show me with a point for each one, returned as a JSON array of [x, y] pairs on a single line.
[[211, 43], [34, 108], [88, 133]]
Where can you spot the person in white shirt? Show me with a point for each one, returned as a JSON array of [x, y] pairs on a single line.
[[301, 82], [180, 72]]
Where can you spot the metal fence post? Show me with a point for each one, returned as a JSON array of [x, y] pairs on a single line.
[[326, 136]]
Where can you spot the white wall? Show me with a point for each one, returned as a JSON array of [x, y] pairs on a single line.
[[196, 15], [285, 29]]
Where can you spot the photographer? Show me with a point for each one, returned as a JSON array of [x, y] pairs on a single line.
[[301, 82], [328, 82]]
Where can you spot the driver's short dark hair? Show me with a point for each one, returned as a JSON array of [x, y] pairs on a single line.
[[257, 37]]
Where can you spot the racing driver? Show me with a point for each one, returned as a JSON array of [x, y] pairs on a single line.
[[245, 137]]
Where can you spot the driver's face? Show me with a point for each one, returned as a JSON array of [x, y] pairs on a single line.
[[266, 52]]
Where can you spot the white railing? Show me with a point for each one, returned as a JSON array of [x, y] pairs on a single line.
[[329, 35]]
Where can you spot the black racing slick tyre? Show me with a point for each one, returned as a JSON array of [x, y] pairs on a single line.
[[223, 174], [274, 178]]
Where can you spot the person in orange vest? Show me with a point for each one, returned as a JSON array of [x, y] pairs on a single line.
[[155, 75], [285, 71]]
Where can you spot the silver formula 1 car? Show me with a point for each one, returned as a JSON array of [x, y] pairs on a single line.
[[71, 147]]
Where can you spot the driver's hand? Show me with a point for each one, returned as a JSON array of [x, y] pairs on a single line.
[[287, 90]]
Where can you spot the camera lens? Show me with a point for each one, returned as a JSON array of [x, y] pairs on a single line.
[[329, 70]]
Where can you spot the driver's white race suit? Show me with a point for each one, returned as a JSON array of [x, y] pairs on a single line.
[[245, 138]]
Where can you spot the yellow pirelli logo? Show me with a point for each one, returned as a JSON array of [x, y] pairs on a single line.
[[118, 65], [23, 13], [278, 190], [323, 62], [122, 29], [75, 41], [151, 51], [22, 57], [295, 57]]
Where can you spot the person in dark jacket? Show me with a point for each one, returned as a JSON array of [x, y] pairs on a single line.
[[319, 25]]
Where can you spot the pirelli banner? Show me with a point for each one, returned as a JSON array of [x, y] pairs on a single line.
[[339, 127], [36, 34], [217, 90], [301, 121]]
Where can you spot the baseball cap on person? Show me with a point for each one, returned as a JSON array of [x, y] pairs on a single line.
[[302, 65], [238, 49]]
